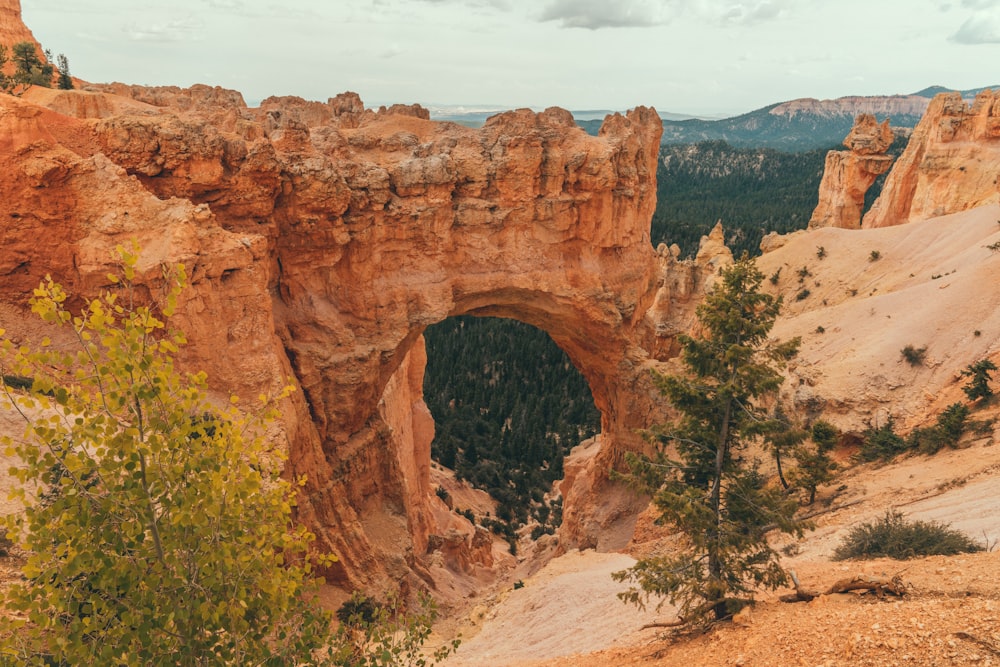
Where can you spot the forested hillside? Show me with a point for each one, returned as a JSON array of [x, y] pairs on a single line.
[[508, 405], [752, 190]]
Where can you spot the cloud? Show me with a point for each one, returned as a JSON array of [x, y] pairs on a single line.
[[745, 13], [179, 30], [227, 4], [980, 4], [596, 14], [391, 51], [503, 5], [980, 29]]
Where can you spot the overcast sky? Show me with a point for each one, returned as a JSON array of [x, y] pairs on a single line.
[[688, 56]]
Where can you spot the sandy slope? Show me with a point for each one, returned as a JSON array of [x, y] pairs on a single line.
[[570, 608], [934, 284]]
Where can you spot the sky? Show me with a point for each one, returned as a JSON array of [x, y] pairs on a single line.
[[707, 57]]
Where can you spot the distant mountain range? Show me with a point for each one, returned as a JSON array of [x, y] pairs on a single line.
[[798, 125], [475, 116], [805, 124]]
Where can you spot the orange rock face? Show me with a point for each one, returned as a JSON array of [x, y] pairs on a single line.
[[950, 164], [322, 239], [12, 28], [14, 31], [847, 175]]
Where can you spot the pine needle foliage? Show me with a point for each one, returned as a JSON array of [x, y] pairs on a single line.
[[979, 374], [700, 480]]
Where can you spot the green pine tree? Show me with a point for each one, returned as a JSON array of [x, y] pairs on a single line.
[[31, 69], [978, 373], [720, 503]]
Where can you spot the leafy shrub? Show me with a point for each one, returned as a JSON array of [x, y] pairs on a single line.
[[802, 294], [157, 531], [893, 536], [874, 256], [914, 355], [375, 634]]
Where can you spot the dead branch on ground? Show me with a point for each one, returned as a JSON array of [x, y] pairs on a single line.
[[879, 585], [989, 646]]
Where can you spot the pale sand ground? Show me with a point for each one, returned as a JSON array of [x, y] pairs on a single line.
[[570, 608]]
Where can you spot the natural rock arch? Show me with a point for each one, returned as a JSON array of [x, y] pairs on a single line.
[[323, 239]]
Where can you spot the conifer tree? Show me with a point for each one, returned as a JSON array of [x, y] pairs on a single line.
[[815, 466], [978, 373], [65, 80], [709, 492], [31, 69]]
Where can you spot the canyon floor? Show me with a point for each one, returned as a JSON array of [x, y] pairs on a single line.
[[568, 615]]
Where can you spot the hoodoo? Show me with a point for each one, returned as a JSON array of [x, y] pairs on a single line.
[[848, 174]]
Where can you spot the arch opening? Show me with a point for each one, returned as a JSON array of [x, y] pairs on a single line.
[[508, 405]]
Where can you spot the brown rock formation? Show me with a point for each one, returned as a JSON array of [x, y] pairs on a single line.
[[950, 163], [323, 238], [847, 175]]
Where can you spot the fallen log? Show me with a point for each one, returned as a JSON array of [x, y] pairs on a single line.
[[881, 586], [870, 584]]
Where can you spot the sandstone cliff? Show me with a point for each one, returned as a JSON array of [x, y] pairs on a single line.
[[322, 238], [950, 163], [847, 175], [12, 28]]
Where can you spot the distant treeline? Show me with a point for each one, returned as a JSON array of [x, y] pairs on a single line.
[[507, 405]]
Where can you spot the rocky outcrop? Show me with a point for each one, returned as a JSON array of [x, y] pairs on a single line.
[[323, 238], [950, 163], [848, 174], [12, 28]]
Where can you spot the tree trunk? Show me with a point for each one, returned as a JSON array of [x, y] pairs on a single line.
[[781, 475], [715, 535]]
